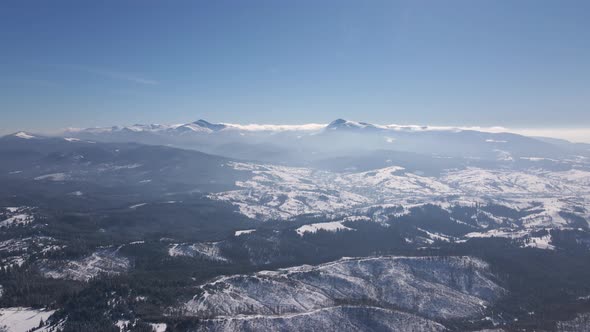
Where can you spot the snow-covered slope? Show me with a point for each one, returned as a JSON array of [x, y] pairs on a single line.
[[104, 261], [211, 251], [432, 287], [16, 216], [22, 319], [342, 318], [17, 251], [280, 192], [326, 226]]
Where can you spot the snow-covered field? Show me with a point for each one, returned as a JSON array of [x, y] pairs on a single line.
[[22, 319]]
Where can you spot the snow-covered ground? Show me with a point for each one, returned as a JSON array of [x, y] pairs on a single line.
[[280, 192], [529, 241], [23, 135], [16, 216], [332, 226], [341, 318], [433, 287], [208, 250], [244, 231], [541, 242], [126, 325], [15, 251], [104, 261], [22, 319]]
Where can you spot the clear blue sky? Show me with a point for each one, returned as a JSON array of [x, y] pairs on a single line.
[[473, 62]]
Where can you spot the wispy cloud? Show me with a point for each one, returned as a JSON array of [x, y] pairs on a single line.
[[109, 73]]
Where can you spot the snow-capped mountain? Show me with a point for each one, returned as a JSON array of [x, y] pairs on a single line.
[[21, 135], [355, 142], [341, 124]]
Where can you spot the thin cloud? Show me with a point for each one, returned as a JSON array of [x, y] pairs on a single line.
[[108, 73]]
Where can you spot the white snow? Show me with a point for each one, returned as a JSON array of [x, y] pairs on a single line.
[[19, 219], [15, 216], [19, 319], [279, 192], [542, 242], [245, 231], [332, 226], [437, 236], [422, 284], [122, 324], [104, 261], [159, 327], [52, 177], [506, 233], [209, 250], [23, 135]]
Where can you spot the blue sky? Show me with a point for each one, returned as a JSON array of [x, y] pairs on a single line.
[[517, 64]]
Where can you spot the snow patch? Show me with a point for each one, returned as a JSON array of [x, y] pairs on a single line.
[[52, 177], [245, 231], [23, 135], [104, 261], [20, 319], [209, 250], [332, 226]]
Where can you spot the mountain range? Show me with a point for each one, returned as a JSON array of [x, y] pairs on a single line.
[[344, 144], [350, 226]]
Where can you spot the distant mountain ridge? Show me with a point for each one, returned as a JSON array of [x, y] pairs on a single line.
[[337, 124], [346, 144]]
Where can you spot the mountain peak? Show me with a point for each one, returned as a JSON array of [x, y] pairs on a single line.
[[346, 124], [337, 122], [209, 125]]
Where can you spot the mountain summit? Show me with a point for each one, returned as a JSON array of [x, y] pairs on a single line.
[[340, 124], [209, 125]]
